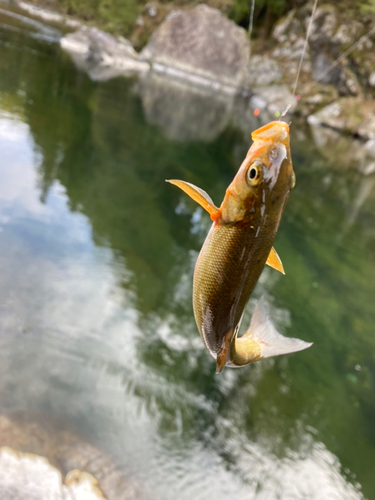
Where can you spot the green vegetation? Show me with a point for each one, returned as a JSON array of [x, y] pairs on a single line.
[[135, 20], [367, 7], [120, 16], [114, 15]]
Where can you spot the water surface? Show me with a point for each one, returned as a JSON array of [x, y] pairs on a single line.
[[96, 262]]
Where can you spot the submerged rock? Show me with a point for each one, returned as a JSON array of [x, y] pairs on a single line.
[[102, 55], [23, 475], [201, 46]]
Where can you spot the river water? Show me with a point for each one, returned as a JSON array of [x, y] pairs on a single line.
[[96, 262]]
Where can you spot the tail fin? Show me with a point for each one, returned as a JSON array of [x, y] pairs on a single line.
[[262, 340]]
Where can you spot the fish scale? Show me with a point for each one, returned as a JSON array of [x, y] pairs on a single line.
[[216, 287]]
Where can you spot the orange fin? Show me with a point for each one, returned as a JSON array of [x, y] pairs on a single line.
[[275, 261], [198, 195], [222, 354]]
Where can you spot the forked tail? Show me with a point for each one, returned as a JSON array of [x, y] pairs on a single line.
[[262, 340]]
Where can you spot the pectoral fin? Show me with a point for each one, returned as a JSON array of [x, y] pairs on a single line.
[[275, 261], [198, 195], [262, 340]]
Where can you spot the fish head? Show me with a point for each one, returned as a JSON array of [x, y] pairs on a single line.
[[265, 177]]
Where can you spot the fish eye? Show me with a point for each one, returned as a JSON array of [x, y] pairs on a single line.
[[255, 173]]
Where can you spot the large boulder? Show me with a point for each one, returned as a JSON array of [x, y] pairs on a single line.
[[102, 55], [200, 45]]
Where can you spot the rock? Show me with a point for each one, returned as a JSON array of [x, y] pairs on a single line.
[[23, 475], [334, 117], [366, 128], [323, 27], [102, 55], [46, 15], [151, 9], [203, 46], [343, 151], [66, 450], [275, 98], [326, 72], [350, 115], [287, 28], [331, 35], [262, 70], [83, 485], [348, 33]]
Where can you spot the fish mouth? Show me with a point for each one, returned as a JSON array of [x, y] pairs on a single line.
[[273, 131]]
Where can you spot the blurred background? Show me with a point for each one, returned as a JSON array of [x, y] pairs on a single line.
[[101, 365]]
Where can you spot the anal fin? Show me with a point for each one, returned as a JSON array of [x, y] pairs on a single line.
[[222, 354], [198, 195]]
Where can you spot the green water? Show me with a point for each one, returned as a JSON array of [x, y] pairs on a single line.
[[96, 262]]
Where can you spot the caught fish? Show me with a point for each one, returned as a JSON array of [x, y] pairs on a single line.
[[236, 249]]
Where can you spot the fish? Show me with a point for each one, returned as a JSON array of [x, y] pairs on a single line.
[[236, 249]]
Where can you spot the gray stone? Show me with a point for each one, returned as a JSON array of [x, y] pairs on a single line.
[[32, 477], [287, 27], [330, 115], [347, 33], [324, 25], [342, 151], [277, 98], [371, 79], [46, 15], [325, 73], [366, 129], [201, 43], [349, 115], [102, 55], [262, 70], [66, 449]]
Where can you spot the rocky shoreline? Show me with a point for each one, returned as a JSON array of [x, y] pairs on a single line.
[[204, 52]]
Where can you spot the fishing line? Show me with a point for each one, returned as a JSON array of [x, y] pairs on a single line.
[[342, 57], [305, 46], [251, 21], [301, 60]]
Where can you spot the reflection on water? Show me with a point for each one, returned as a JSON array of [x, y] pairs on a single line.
[[184, 112], [96, 324]]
